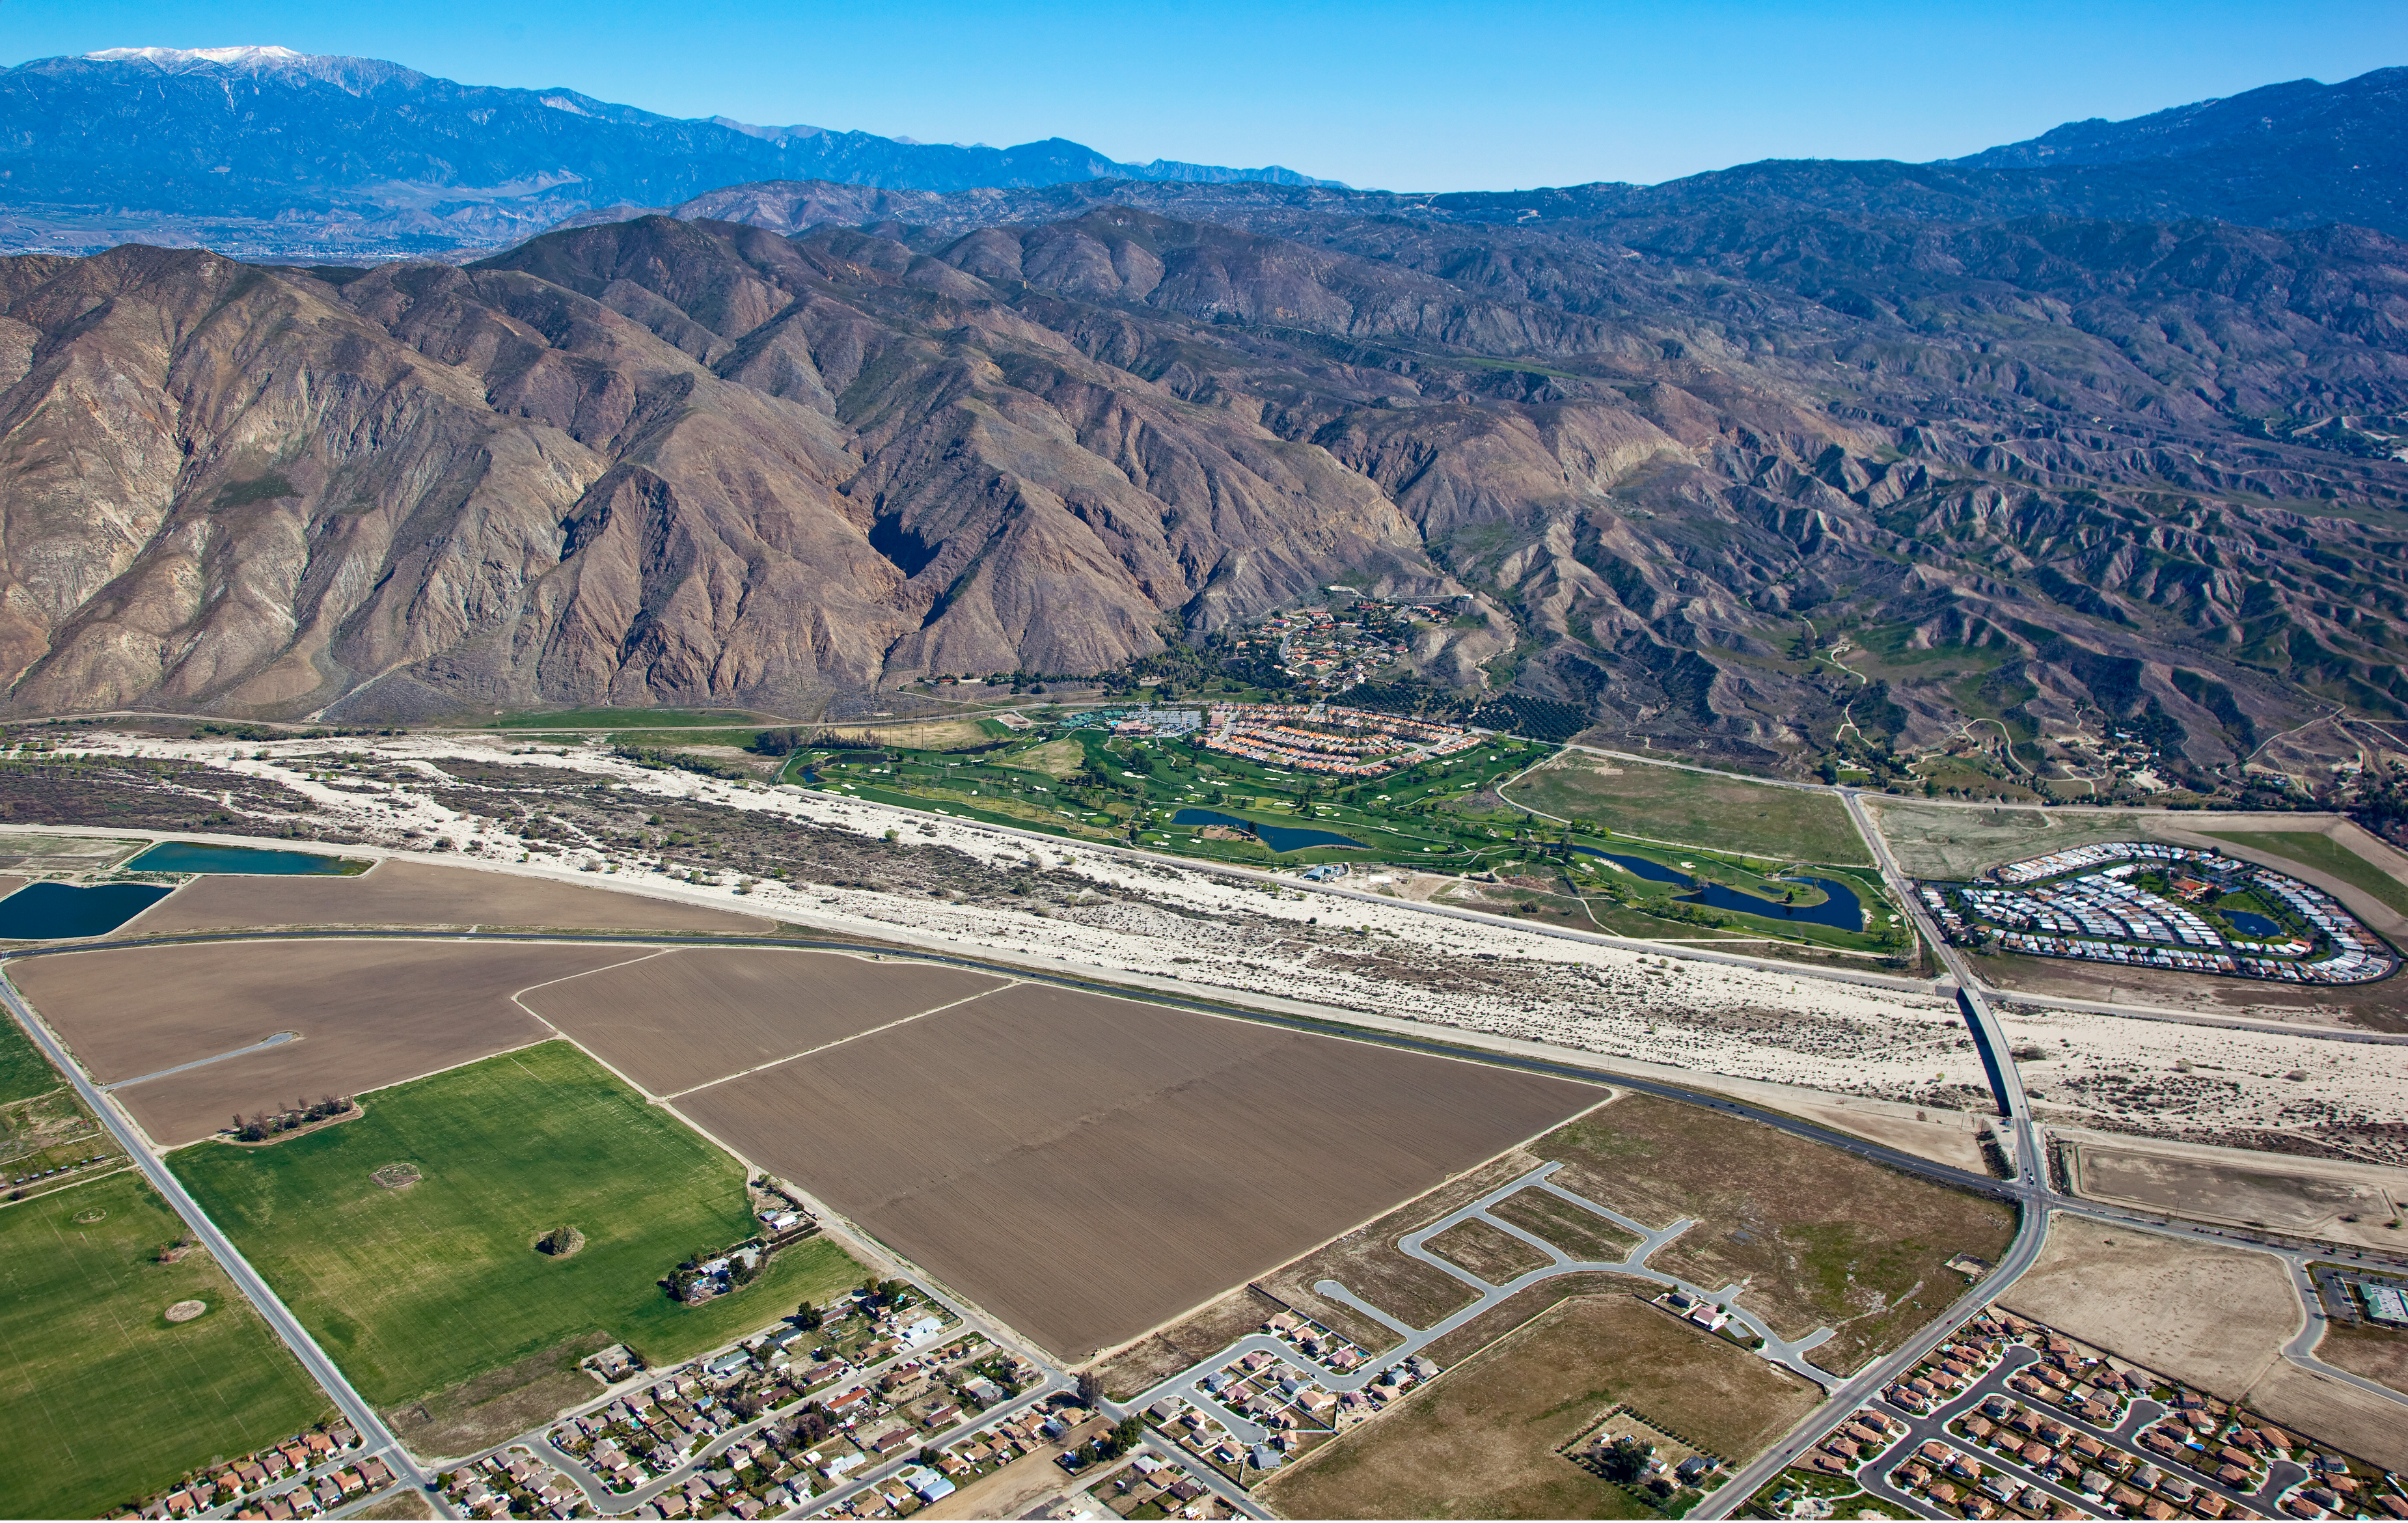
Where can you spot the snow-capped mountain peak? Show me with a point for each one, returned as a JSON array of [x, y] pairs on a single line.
[[173, 60]]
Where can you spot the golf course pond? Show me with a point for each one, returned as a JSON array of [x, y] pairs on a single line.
[[1279, 838], [1841, 910]]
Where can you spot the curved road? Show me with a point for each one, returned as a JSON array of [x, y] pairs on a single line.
[[2038, 1201]]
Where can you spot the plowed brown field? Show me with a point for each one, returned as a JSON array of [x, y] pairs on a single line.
[[369, 1013], [1087, 1167], [687, 1017], [424, 893]]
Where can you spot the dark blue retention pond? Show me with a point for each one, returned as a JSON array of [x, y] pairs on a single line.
[[1279, 838], [1842, 910], [191, 857], [2252, 925], [45, 912]]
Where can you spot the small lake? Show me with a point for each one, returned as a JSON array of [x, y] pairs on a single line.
[[2257, 927], [1279, 838], [44, 911], [1843, 911], [191, 857]]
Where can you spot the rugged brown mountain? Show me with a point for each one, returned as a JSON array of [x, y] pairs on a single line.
[[2041, 470]]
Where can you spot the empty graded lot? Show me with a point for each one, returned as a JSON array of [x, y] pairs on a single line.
[[1820, 1237], [1366, 1260], [425, 895], [2214, 1316], [1495, 1255], [1087, 1168], [1692, 809], [418, 1285], [103, 1399], [2266, 1195], [367, 1013], [2379, 1354], [687, 1017], [1934, 841], [1483, 1440]]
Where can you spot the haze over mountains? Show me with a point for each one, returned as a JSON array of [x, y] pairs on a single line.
[[2113, 437], [267, 152]]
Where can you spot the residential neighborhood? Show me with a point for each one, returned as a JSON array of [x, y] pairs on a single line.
[[2145, 904]]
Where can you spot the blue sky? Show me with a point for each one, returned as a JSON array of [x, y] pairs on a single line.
[[1407, 95]]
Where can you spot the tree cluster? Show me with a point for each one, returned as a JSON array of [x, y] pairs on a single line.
[[261, 1126]]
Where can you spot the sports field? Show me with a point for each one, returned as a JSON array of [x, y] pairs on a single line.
[[424, 894], [1692, 809], [1087, 1167], [1481, 1441], [104, 1400], [418, 1289], [689, 1017], [367, 1013]]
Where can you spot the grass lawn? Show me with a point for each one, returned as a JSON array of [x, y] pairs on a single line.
[[417, 1289], [1481, 1441], [1697, 809], [24, 1073], [104, 1400], [2311, 850]]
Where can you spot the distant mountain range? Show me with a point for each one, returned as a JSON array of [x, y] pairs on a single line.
[[270, 153]]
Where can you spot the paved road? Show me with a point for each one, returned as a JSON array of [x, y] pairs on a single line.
[[2037, 1202], [1487, 1296], [2124, 1433], [379, 1439], [1232, 1005], [2185, 1017], [604, 1500], [2029, 1188]]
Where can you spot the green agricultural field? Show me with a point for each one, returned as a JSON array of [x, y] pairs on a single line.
[[103, 1399], [2311, 850], [420, 1288], [24, 1073], [1692, 809]]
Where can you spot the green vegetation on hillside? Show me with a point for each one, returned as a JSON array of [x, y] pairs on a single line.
[[103, 1399], [2311, 849], [417, 1288]]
